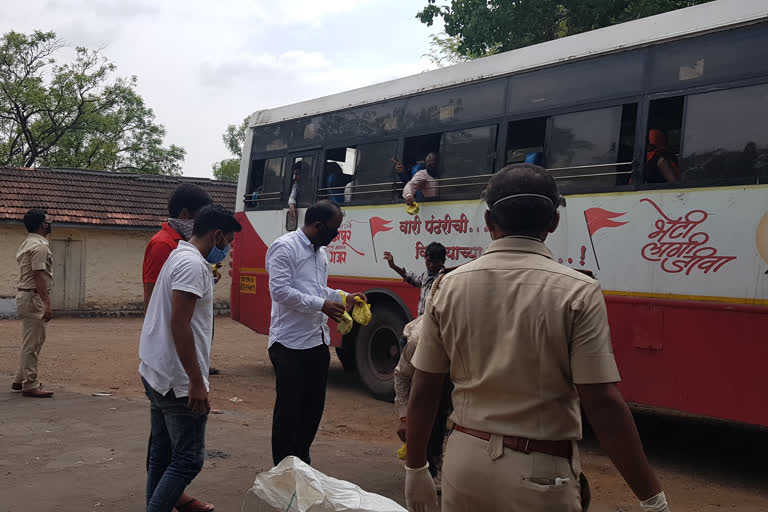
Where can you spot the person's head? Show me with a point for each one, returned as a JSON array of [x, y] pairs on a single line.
[[214, 230], [322, 222], [434, 257], [431, 163], [186, 200], [522, 200], [296, 170], [38, 221], [657, 139]]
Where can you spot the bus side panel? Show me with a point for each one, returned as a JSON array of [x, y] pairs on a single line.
[[702, 358], [250, 301]]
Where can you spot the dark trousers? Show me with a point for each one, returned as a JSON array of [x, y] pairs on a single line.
[[301, 376], [176, 451]]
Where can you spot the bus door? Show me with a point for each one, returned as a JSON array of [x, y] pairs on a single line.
[[301, 173]]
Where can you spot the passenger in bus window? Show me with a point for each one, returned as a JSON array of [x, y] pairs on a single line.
[[661, 165], [424, 181], [296, 172], [336, 180]]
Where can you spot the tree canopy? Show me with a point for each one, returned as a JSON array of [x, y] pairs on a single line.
[[76, 113], [234, 138], [476, 28]]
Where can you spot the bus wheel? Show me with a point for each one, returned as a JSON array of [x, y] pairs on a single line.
[[377, 351]]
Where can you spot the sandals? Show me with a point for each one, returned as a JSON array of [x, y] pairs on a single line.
[[194, 505]]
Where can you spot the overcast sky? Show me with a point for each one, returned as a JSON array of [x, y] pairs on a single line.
[[205, 64]]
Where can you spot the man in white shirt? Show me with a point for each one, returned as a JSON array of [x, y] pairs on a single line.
[[298, 335], [175, 354]]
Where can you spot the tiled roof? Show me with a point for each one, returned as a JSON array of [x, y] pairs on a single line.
[[77, 196]]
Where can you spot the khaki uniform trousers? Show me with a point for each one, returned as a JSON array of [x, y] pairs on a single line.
[[485, 476], [30, 308]]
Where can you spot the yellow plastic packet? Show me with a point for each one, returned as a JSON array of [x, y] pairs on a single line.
[[361, 312], [345, 324], [402, 452], [412, 209]]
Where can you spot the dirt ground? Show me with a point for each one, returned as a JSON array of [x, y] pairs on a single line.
[[79, 452]]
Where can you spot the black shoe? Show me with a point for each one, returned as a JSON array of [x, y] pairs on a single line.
[[213, 371]]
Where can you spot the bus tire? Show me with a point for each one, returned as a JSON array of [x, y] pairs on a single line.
[[377, 351]]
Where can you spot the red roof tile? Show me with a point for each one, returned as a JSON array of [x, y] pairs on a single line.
[[96, 197]]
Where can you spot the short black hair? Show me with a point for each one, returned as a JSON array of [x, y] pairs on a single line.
[[522, 215], [34, 218], [321, 211], [435, 251], [213, 217], [189, 196]]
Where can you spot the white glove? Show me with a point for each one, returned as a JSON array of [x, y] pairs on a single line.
[[420, 493], [656, 504]]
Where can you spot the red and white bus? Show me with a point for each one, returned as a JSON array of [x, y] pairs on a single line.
[[683, 264]]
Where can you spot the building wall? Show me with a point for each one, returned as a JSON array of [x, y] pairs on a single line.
[[112, 269]]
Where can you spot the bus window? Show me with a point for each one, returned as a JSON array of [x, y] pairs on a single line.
[[301, 181], [466, 157], [525, 141], [339, 172], [583, 148], [665, 122], [265, 182], [725, 140], [359, 174]]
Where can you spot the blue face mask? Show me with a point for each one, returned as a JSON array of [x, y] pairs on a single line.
[[217, 255]]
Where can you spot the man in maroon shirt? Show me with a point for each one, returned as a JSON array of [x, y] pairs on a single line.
[[184, 203]]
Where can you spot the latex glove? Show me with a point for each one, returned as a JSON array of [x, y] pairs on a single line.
[[420, 493], [656, 504]]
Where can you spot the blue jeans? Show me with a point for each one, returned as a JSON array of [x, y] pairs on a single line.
[[176, 449]]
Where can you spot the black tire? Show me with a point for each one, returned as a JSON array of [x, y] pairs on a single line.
[[377, 351]]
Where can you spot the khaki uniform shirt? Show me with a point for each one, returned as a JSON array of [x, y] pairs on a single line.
[[404, 370], [34, 254], [516, 331]]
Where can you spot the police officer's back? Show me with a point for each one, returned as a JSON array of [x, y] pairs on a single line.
[[523, 338]]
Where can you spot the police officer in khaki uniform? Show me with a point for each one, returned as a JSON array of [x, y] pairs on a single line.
[[33, 302], [525, 341]]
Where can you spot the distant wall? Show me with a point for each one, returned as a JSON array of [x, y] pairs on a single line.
[[111, 277]]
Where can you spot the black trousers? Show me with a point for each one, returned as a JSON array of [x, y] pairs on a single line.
[[301, 377]]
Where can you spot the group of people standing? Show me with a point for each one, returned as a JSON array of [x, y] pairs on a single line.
[[521, 341]]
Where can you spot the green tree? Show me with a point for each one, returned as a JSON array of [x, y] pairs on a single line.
[[75, 114], [476, 28], [234, 138]]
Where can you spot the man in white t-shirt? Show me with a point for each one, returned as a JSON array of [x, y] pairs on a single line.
[[175, 353]]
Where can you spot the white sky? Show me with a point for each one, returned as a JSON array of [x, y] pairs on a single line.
[[205, 64]]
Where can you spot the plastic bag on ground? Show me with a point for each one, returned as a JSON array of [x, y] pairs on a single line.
[[294, 486]]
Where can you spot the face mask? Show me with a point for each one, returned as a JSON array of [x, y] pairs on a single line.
[[328, 236], [217, 255]]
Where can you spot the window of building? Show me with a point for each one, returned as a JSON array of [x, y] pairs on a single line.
[[265, 184], [725, 140]]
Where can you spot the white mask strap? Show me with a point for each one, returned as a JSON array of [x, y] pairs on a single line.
[[515, 196]]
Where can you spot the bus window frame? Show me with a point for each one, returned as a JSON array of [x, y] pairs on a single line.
[[283, 203], [288, 175], [363, 142], [685, 93]]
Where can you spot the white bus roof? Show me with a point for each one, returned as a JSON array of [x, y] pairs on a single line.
[[709, 17]]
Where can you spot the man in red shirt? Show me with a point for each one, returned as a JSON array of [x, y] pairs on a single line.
[[184, 203]]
